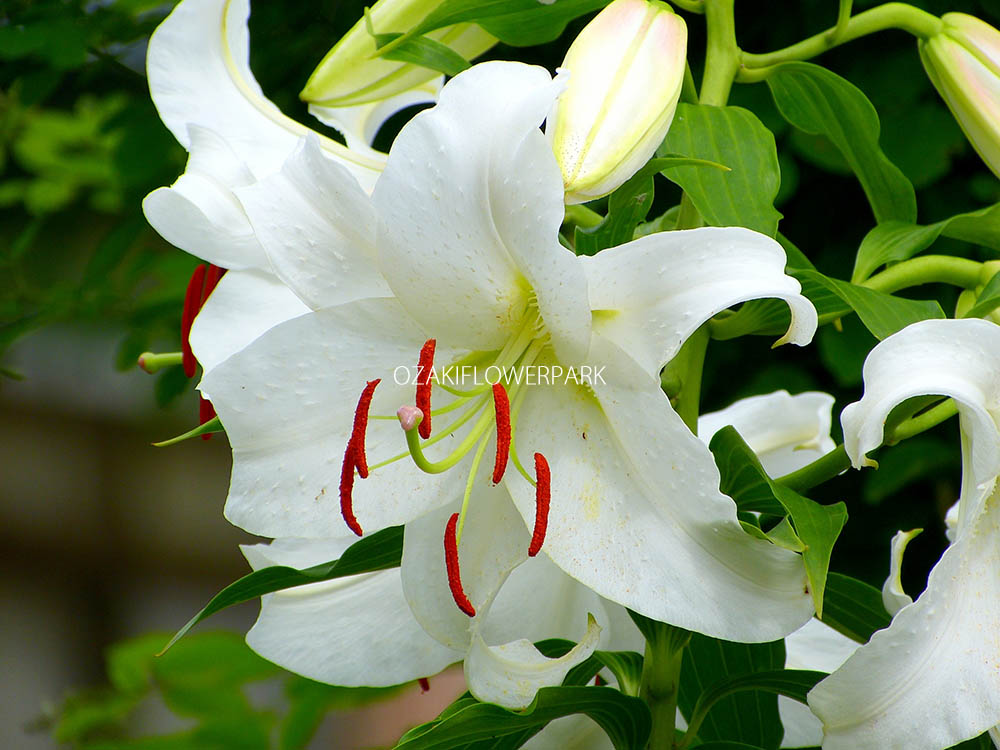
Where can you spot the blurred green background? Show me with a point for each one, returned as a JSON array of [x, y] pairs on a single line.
[[105, 538]]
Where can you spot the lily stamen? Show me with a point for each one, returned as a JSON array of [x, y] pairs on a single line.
[[425, 369], [192, 304], [543, 493], [501, 407], [451, 564], [354, 457]]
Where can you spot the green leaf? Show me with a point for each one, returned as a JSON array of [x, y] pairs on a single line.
[[750, 717], [820, 102], [516, 22], [988, 299], [380, 551], [817, 526], [792, 683], [883, 314], [853, 608], [424, 51], [628, 206], [898, 240], [625, 665], [625, 719], [743, 196]]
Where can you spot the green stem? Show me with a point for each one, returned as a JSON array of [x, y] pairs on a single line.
[[889, 16], [836, 461], [684, 372], [925, 270], [688, 217], [822, 469], [722, 56], [691, 6], [922, 422], [660, 681], [581, 216]]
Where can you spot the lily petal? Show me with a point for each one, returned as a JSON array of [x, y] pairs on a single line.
[[576, 732], [893, 596], [200, 214], [243, 306], [493, 543], [930, 680], [470, 206], [654, 535], [351, 631], [652, 293], [814, 646], [786, 432], [318, 228], [957, 358], [287, 402], [511, 674], [198, 71]]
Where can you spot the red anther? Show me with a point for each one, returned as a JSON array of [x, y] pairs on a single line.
[[451, 563], [346, 488], [361, 426], [425, 368], [206, 412], [425, 684], [599, 681], [501, 405], [212, 278], [543, 493], [354, 457], [192, 304]]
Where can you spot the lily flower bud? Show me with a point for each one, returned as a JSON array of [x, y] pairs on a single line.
[[963, 63], [626, 69], [352, 74]]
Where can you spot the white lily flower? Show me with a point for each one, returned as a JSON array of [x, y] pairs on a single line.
[[202, 86], [930, 680], [459, 249], [786, 432]]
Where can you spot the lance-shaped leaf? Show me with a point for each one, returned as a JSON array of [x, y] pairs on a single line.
[[817, 526], [820, 102], [748, 716], [853, 608], [898, 240], [380, 551], [883, 314], [988, 299], [625, 719], [743, 196]]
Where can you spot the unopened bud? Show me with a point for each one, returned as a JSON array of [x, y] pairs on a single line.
[[963, 63], [626, 69], [351, 73]]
